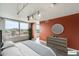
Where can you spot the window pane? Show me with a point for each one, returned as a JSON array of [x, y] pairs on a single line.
[[11, 24], [23, 25], [11, 28], [15, 29], [24, 29]]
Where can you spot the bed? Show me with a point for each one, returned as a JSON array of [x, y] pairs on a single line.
[[25, 48]]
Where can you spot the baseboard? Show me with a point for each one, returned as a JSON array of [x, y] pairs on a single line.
[[73, 49], [43, 41]]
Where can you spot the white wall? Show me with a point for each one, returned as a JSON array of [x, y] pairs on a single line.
[[2, 24], [2, 27]]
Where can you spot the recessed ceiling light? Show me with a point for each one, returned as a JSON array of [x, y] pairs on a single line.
[[52, 4]]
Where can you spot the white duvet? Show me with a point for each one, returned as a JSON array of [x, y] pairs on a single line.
[[19, 49], [11, 51], [22, 49]]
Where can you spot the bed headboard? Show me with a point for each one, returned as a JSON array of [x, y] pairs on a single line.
[[58, 44]]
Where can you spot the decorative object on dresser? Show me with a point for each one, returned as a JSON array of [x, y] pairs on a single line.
[[58, 44]]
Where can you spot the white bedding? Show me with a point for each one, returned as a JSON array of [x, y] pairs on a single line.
[[41, 49], [11, 51], [19, 49], [26, 51]]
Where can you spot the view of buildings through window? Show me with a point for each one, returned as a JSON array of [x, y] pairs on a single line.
[[24, 28], [15, 28]]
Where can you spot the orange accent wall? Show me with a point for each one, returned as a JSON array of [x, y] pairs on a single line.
[[71, 25]]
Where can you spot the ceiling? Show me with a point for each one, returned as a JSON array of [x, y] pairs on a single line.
[[47, 10]]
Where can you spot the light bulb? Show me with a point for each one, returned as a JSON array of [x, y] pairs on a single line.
[[52, 5]]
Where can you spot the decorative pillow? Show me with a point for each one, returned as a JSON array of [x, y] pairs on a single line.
[[7, 44]]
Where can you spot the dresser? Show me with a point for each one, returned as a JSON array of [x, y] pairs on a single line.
[[58, 45]]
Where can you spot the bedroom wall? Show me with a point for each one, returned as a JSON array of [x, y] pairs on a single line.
[[71, 25], [2, 27], [2, 24]]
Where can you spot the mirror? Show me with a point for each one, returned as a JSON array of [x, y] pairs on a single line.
[[57, 29]]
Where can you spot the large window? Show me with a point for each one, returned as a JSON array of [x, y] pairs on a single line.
[[15, 28], [11, 28]]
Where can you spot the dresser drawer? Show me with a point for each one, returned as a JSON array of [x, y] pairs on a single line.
[[56, 43], [60, 48], [58, 52], [61, 40]]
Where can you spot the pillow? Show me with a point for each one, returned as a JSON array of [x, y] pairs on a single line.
[[7, 44]]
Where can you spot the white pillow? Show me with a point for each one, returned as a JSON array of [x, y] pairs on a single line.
[[7, 44]]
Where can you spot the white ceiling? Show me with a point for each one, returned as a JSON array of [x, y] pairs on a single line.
[[46, 11]]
